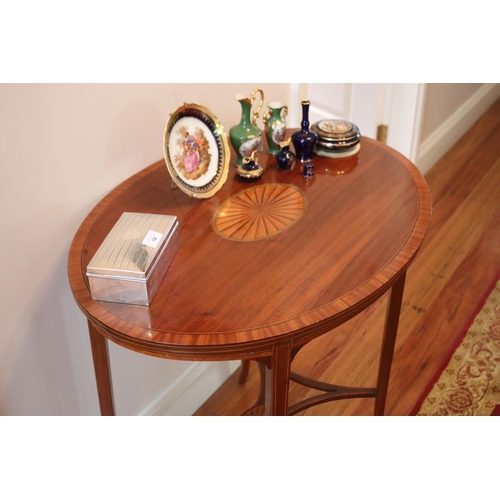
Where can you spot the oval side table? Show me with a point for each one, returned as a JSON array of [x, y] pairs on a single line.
[[264, 266]]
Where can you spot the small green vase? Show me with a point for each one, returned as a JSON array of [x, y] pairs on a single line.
[[274, 120], [246, 136]]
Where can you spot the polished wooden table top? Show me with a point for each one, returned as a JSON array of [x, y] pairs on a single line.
[[357, 226]]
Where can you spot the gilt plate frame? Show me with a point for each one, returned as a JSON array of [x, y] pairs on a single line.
[[196, 150]]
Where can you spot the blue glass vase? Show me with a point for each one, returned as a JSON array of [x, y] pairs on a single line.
[[304, 139]]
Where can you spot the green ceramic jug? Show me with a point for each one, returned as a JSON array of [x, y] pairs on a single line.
[[246, 136], [275, 125]]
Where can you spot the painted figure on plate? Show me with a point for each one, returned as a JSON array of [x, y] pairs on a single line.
[[191, 153], [193, 156]]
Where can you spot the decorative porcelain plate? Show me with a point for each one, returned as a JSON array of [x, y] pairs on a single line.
[[196, 150]]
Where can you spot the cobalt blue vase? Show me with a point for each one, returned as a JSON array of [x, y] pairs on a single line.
[[285, 157], [304, 139]]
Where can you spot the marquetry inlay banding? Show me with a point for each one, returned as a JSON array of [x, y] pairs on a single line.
[[259, 212]]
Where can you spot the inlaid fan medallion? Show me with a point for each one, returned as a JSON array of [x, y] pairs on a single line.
[[259, 212]]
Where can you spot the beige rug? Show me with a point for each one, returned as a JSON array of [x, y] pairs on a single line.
[[469, 384]]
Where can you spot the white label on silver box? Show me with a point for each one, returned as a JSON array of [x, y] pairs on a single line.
[[152, 239]]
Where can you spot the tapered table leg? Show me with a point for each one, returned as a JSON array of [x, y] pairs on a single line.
[[388, 342], [102, 373], [277, 381]]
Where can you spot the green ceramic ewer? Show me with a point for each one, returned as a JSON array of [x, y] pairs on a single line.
[[274, 120], [246, 136]]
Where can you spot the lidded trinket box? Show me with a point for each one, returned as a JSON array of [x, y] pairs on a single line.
[[336, 138], [133, 259]]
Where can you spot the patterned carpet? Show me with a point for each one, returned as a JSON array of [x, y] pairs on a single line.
[[469, 382]]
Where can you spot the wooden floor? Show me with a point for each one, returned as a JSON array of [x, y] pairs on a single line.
[[455, 267]]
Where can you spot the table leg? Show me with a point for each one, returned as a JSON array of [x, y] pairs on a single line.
[[277, 380], [100, 355], [245, 367], [388, 342]]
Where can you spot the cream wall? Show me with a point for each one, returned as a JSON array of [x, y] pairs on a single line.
[[441, 101], [448, 110], [62, 148]]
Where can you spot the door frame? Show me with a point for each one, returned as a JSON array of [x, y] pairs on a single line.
[[403, 111]]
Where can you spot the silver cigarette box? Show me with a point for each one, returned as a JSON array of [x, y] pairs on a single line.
[[133, 259]]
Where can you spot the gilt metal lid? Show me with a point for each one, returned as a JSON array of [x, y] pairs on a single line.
[[133, 246]]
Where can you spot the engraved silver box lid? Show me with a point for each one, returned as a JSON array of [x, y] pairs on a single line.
[[138, 249]]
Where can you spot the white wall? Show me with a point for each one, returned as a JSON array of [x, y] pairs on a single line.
[[62, 148]]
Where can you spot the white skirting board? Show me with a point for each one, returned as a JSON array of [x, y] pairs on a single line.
[[186, 394], [451, 130]]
